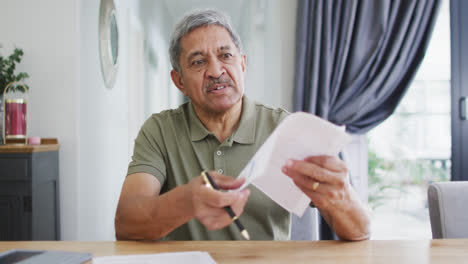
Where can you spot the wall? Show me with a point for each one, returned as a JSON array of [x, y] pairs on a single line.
[[269, 39], [102, 128], [356, 157], [68, 99], [48, 32], [267, 30], [158, 25], [104, 113]]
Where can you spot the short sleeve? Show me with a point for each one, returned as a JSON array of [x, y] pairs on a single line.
[[148, 153], [279, 115]]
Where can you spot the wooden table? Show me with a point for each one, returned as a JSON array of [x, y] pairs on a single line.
[[445, 251]]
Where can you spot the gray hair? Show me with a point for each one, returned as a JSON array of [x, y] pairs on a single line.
[[194, 20]]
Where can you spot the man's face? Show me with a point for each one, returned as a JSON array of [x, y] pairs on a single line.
[[212, 69]]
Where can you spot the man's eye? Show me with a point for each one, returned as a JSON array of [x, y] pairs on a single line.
[[198, 62], [226, 55]]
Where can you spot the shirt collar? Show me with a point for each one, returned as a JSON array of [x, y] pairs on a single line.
[[245, 132], [197, 130]]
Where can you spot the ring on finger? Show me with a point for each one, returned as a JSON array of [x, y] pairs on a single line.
[[315, 186]]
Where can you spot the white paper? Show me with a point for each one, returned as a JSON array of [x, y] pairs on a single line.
[[193, 257], [298, 136]]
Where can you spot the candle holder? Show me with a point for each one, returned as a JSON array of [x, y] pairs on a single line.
[[15, 115]]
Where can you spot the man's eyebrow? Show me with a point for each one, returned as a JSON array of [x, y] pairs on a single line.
[[199, 53], [194, 54], [226, 47]]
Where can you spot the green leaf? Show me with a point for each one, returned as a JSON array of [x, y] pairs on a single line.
[[7, 71], [20, 88]]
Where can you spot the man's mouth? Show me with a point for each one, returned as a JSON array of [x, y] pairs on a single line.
[[219, 84], [217, 88]]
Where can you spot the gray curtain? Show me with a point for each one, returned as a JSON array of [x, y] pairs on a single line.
[[356, 58], [354, 62]]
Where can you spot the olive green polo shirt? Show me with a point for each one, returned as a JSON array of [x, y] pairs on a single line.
[[175, 147]]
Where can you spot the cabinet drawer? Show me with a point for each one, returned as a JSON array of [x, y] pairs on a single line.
[[14, 169], [10, 218]]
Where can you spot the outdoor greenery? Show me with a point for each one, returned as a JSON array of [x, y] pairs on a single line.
[[387, 175], [378, 169], [7, 71]]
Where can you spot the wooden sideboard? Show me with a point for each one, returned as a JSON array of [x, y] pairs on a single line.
[[29, 192]]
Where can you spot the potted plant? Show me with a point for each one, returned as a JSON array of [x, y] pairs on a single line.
[[7, 75]]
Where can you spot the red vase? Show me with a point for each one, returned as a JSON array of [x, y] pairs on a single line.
[[15, 118]]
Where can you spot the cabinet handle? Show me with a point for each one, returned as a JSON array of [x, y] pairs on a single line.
[[27, 204], [463, 109]]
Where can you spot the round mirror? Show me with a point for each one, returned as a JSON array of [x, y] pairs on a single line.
[[114, 38], [108, 42]]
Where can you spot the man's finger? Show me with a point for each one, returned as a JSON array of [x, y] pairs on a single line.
[[328, 162], [295, 168], [218, 199], [308, 186], [238, 206], [218, 221], [226, 182], [316, 198], [217, 217], [306, 182]]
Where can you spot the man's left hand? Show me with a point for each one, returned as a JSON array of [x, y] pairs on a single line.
[[325, 180]]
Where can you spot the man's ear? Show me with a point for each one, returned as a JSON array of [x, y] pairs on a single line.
[[244, 62], [177, 80]]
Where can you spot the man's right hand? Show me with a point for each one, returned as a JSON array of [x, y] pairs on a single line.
[[208, 204], [142, 213]]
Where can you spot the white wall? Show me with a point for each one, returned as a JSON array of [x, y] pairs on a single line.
[[102, 130], [269, 39], [267, 29], [158, 26], [104, 114], [356, 157], [48, 32], [69, 100], [287, 38]]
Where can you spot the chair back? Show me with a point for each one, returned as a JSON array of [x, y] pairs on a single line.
[[448, 209]]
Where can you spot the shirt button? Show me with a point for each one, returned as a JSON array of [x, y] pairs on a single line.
[[220, 171], [219, 152]]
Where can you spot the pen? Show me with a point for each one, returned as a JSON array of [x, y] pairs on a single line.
[[210, 183]]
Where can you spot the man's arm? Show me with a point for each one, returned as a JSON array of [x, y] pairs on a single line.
[[143, 214], [140, 204], [325, 180]]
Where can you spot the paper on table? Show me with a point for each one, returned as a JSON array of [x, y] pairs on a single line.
[[193, 257], [298, 136]]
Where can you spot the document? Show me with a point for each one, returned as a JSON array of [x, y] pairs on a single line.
[[298, 136], [193, 257]]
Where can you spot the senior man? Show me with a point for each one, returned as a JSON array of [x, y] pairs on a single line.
[[219, 129]]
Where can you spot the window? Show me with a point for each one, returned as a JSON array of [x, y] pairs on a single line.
[[412, 148]]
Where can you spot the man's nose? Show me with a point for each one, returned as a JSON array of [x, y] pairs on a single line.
[[215, 69]]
